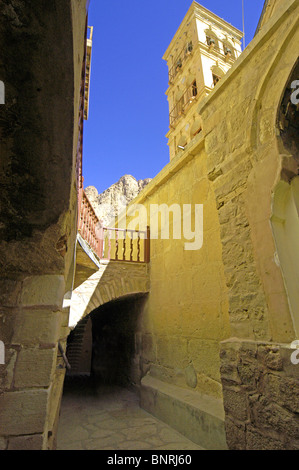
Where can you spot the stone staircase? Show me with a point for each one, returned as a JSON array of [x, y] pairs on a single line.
[[79, 348]]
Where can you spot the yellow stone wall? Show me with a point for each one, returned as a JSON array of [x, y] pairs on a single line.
[[244, 160], [232, 286], [186, 315]]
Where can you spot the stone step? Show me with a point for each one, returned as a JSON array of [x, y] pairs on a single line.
[[198, 417]]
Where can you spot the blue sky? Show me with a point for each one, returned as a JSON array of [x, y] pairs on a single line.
[[128, 112]]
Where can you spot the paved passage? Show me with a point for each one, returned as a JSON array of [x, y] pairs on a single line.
[[107, 418]]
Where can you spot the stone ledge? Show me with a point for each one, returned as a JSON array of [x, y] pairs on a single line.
[[198, 417]]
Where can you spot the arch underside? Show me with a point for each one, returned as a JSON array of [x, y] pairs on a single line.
[[112, 281]]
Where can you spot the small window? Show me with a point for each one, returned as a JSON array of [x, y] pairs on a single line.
[[211, 41], [216, 79], [179, 64], [189, 48], [228, 51], [194, 88]]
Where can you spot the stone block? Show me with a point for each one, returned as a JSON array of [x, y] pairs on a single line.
[[205, 357], [270, 356], [172, 351], [34, 442], [8, 318], [248, 375], [255, 440], [10, 292], [211, 142], [229, 351], [48, 330], [282, 390], [290, 369], [3, 443], [209, 386], [6, 380], [235, 434], [23, 412], [229, 374], [271, 417], [35, 367], [235, 403], [45, 291]]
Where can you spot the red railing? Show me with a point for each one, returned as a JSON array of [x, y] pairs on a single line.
[[79, 153], [89, 226], [122, 245], [112, 244]]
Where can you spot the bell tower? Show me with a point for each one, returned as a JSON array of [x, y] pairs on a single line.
[[200, 54]]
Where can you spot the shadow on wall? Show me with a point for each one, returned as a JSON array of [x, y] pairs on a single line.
[[115, 351]]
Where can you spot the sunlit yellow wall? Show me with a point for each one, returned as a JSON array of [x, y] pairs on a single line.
[[186, 314]]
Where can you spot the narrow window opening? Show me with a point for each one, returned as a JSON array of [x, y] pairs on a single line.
[[216, 79]]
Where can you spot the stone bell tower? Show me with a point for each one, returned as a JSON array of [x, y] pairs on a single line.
[[203, 49]]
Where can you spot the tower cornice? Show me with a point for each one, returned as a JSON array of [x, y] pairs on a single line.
[[197, 11]]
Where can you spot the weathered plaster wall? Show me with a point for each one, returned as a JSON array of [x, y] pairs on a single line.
[[42, 48]]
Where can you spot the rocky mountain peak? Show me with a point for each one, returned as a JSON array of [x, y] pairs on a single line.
[[108, 203]]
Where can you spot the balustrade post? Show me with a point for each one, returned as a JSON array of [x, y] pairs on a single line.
[[147, 247]]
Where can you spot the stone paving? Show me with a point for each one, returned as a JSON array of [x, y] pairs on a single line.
[[109, 418]]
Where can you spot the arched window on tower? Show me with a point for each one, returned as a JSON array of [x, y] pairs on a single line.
[[229, 50], [217, 74], [212, 39]]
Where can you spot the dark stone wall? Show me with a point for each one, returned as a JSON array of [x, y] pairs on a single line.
[[260, 390], [36, 132], [42, 50]]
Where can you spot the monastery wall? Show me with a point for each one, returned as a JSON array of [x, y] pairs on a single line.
[[220, 319]]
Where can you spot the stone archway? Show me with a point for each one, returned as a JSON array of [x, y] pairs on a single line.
[[112, 281]]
